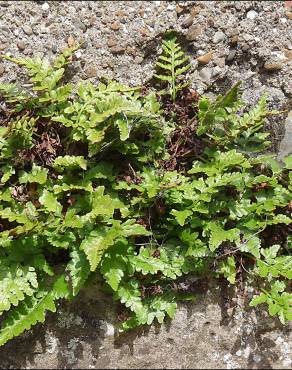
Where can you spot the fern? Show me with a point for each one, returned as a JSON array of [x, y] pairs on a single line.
[[43, 75], [228, 269], [48, 92], [18, 135], [94, 246], [16, 95], [15, 283], [221, 122], [50, 203], [69, 161], [32, 310], [79, 269], [173, 64], [85, 189], [37, 175], [279, 302]]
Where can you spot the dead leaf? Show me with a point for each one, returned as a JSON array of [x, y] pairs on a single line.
[[71, 41]]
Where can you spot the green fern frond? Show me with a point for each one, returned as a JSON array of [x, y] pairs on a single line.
[[174, 64], [46, 80], [94, 246], [16, 282], [79, 269], [212, 112], [16, 95], [18, 135], [37, 174], [32, 310], [69, 161], [220, 121]]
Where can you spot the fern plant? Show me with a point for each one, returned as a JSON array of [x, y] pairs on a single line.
[[173, 65], [84, 172]]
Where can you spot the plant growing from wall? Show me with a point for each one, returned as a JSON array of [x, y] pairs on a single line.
[[173, 64], [85, 189]]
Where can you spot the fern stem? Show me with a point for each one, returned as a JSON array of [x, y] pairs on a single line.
[[173, 92]]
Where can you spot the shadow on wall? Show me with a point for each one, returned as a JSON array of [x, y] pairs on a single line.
[[81, 335]]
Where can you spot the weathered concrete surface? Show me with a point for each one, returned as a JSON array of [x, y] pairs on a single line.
[[214, 332], [244, 40], [286, 143]]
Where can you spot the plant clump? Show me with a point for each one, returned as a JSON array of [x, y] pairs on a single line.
[[141, 188]]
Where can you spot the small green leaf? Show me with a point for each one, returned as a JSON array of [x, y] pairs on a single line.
[[38, 174], [228, 269], [69, 161], [258, 299], [113, 268], [78, 268], [251, 245], [48, 200], [181, 216], [95, 245], [8, 171], [130, 228], [271, 252], [219, 235], [123, 127], [278, 286], [288, 162]]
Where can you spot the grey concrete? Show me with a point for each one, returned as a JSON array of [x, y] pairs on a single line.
[[217, 330]]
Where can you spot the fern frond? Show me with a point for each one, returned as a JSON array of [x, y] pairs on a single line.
[[169, 63], [46, 79], [221, 122], [32, 310], [97, 242], [69, 161], [29, 313], [50, 203], [38, 175], [79, 269], [15, 283], [210, 113], [18, 135], [14, 94]]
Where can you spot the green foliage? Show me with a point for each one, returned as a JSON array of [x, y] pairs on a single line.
[[222, 123], [85, 190], [273, 266], [18, 135], [32, 310], [228, 269], [78, 268], [37, 175], [48, 92], [173, 65], [16, 282], [69, 161], [279, 302]]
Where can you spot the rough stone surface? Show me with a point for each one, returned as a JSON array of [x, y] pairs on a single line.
[[219, 36], [251, 14], [121, 40], [205, 59], [213, 332], [286, 143]]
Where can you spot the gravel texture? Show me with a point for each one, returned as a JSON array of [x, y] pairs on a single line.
[[249, 40], [227, 41]]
